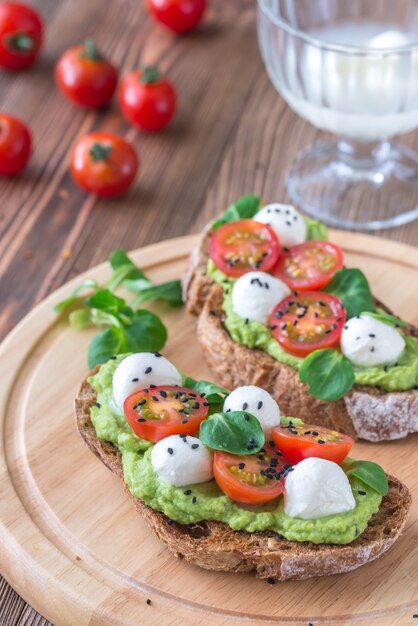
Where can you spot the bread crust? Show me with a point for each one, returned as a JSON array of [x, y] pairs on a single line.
[[215, 546], [366, 412]]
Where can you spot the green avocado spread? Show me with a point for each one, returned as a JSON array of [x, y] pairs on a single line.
[[210, 502], [399, 377]]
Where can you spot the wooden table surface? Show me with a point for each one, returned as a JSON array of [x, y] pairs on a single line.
[[232, 135]]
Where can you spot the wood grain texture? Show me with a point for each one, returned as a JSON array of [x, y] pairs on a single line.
[[71, 541], [233, 134]]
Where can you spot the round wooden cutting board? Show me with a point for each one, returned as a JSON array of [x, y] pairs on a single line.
[[71, 542]]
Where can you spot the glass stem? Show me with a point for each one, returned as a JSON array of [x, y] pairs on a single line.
[[373, 156]]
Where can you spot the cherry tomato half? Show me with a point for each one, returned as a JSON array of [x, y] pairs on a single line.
[[180, 16], [159, 412], [309, 265], [147, 99], [308, 321], [301, 442], [15, 145], [250, 479], [20, 35], [244, 246], [104, 164], [85, 76]]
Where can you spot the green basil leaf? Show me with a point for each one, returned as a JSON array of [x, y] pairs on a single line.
[[68, 302], [315, 230], [328, 373], [146, 333], [79, 319], [104, 345], [119, 258], [170, 291], [352, 288], [386, 318], [236, 432], [370, 473], [105, 300], [214, 394], [244, 208]]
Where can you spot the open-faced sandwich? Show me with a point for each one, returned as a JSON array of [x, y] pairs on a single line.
[[278, 308], [228, 483]]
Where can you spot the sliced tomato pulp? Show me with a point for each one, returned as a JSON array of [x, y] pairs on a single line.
[[244, 246], [157, 412], [251, 479], [310, 265], [308, 321], [301, 442]]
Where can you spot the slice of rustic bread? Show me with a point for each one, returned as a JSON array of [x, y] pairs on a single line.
[[215, 546], [366, 412]]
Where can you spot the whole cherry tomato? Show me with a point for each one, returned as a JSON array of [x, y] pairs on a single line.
[[85, 76], [178, 15], [147, 99], [104, 164], [20, 35], [15, 145]]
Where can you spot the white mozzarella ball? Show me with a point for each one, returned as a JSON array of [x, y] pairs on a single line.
[[286, 221], [256, 401], [366, 342], [255, 294], [180, 460], [140, 370], [317, 488]]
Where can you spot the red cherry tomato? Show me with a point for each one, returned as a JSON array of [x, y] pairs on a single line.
[[15, 145], [250, 479], [301, 442], [147, 99], [308, 321], [159, 412], [178, 15], [244, 246], [85, 77], [20, 35], [309, 265], [104, 164]]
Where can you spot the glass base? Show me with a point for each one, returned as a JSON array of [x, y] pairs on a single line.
[[356, 186]]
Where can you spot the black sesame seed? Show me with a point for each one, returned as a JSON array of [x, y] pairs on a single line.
[[148, 370], [361, 493], [307, 432], [113, 357], [247, 417], [135, 380], [170, 450], [212, 312], [196, 405], [202, 395], [145, 390], [279, 536], [246, 320], [345, 326], [278, 453], [149, 601], [315, 433], [372, 349], [152, 386], [271, 581], [245, 406], [155, 398], [372, 335], [187, 492], [205, 403], [184, 421], [251, 440], [157, 354], [271, 443], [195, 446], [141, 419], [98, 405], [321, 441], [170, 522], [194, 499], [259, 405], [273, 327], [163, 393], [241, 465]]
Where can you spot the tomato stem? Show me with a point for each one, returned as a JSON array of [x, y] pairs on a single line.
[[149, 75], [99, 152], [20, 42], [91, 51]]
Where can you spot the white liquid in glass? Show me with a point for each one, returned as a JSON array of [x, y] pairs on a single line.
[[364, 97]]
